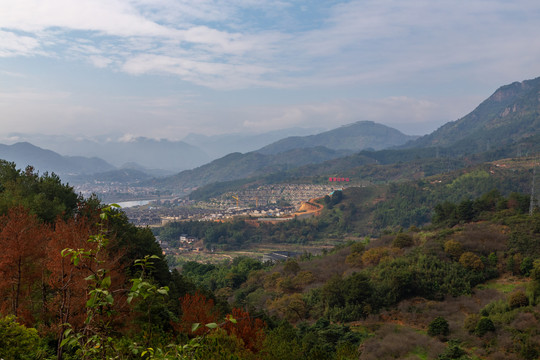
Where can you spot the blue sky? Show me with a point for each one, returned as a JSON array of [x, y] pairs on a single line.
[[165, 68]]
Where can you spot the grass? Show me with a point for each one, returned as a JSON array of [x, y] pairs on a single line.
[[254, 251], [505, 285], [420, 353]]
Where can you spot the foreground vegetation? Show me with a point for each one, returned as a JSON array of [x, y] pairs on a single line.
[[79, 282]]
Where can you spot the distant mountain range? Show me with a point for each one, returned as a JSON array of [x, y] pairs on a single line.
[[354, 137], [218, 145], [506, 124], [147, 158], [157, 157], [239, 166], [140, 152], [24, 154]]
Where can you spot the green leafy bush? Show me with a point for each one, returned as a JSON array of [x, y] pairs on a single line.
[[17, 342], [439, 326], [484, 326]]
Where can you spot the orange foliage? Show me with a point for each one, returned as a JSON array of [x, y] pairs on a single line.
[[250, 330], [68, 304], [196, 308], [22, 243]]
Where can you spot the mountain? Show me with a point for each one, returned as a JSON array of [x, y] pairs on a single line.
[[511, 114], [142, 152], [357, 136], [217, 145], [124, 176], [24, 153], [239, 166]]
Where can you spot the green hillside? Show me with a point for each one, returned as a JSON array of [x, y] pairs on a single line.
[[237, 166], [358, 136], [512, 113]]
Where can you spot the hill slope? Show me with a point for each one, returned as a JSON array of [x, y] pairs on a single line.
[[510, 114], [24, 154], [238, 166], [358, 136]]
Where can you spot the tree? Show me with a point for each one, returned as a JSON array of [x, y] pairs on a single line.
[[471, 261], [291, 266], [438, 327], [484, 326], [283, 343], [22, 240], [291, 307], [453, 248], [67, 281], [375, 255], [402, 241], [196, 309], [247, 328], [517, 299]]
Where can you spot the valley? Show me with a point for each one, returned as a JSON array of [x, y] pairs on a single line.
[[429, 249]]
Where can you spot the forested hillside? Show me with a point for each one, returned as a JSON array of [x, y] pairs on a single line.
[[238, 166], [80, 282], [357, 136], [509, 115], [465, 287]]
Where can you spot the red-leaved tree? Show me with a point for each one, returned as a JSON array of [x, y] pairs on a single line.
[[196, 308], [66, 280], [22, 242], [247, 328]]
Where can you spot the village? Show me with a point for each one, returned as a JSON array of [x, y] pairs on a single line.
[[267, 201]]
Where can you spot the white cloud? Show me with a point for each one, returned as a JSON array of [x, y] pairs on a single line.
[[100, 61], [111, 17], [12, 44], [388, 56], [127, 138], [207, 41]]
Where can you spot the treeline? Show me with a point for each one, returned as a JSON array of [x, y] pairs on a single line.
[[236, 234]]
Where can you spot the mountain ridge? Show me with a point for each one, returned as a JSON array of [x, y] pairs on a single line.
[[26, 154], [357, 136], [511, 113]]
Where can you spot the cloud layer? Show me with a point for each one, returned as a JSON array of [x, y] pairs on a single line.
[[360, 59]]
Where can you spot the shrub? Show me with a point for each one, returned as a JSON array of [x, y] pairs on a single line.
[[484, 325], [453, 248], [18, 342], [374, 256], [471, 261], [517, 299], [526, 266], [453, 351], [402, 241], [471, 322], [439, 326]]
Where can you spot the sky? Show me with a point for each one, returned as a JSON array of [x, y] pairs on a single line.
[[166, 68]]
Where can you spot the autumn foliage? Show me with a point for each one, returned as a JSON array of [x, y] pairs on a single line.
[[22, 240], [196, 308], [36, 281], [247, 328]]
